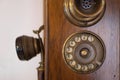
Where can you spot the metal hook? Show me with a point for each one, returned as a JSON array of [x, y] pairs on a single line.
[[39, 30], [41, 45]]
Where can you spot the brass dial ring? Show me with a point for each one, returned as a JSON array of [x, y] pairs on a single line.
[[84, 52]]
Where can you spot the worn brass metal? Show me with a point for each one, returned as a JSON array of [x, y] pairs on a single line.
[[41, 68], [85, 56], [40, 40], [77, 14], [84, 52]]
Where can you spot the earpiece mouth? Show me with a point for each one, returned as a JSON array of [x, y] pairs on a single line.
[[89, 8], [84, 13]]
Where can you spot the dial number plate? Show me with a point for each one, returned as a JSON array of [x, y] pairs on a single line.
[[84, 52]]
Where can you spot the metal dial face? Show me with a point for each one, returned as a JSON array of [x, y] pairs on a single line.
[[84, 52]]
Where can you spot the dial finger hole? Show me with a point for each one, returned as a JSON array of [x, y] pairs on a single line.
[[72, 43], [69, 56], [84, 37], [78, 66], [69, 50], [77, 39], [72, 63], [91, 66], [90, 38], [84, 68]]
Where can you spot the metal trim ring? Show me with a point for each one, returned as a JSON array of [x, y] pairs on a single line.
[[81, 19]]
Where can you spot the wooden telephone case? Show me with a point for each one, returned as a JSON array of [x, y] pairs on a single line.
[[58, 28], [64, 20]]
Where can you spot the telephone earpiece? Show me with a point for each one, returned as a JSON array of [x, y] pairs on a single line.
[[27, 47]]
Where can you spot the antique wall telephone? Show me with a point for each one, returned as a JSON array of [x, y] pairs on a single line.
[[78, 40]]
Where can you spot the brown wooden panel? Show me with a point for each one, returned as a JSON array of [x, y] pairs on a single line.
[[58, 28]]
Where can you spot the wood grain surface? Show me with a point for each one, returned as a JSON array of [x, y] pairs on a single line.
[[58, 28]]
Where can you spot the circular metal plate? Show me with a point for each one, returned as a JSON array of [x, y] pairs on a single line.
[[84, 52], [84, 13]]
